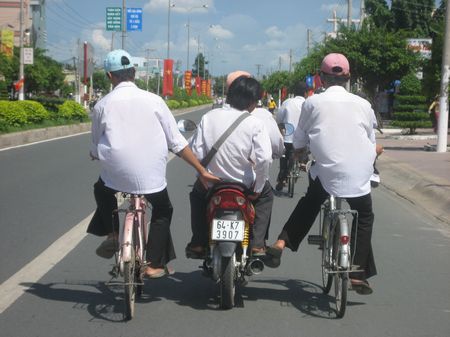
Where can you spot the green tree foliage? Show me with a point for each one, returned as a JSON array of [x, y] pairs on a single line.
[[432, 69], [44, 76], [276, 81], [413, 16], [199, 66], [410, 110], [100, 81], [379, 14]]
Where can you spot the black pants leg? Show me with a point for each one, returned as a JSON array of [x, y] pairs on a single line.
[[263, 214], [304, 215], [160, 249], [285, 162], [104, 221], [362, 252], [199, 226]]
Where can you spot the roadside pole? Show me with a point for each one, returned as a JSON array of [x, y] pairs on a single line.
[[445, 73]]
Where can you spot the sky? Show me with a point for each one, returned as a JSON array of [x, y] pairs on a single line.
[[259, 36]]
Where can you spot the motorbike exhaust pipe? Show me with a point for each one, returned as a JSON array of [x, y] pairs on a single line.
[[255, 267]]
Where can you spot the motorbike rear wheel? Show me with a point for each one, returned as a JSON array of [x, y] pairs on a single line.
[[227, 283]]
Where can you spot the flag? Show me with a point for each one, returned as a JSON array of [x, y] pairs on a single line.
[[283, 93], [187, 81], [168, 78], [208, 88]]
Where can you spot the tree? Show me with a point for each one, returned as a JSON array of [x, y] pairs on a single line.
[[379, 14], [413, 16], [100, 81], [276, 81], [199, 67]]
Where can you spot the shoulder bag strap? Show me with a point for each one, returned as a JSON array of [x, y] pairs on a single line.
[[205, 161]]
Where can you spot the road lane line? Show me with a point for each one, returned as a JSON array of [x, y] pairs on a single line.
[[44, 141], [12, 288]]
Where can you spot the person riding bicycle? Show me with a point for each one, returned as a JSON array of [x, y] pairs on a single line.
[[132, 130], [289, 112], [243, 157], [339, 128]]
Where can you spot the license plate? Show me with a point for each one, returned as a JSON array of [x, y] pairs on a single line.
[[228, 230]]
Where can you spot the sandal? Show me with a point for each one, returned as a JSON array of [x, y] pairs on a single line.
[[158, 272], [273, 257], [361, 287]]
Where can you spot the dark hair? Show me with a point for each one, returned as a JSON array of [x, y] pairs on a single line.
[[124, 75], [299, 88], [243, 92], [333, 79]]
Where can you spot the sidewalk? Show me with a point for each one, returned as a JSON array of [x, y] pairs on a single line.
[[412, 168]]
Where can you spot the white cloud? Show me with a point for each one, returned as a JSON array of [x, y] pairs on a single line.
[[100, 41], [179, 6], [217, 31], [274, 32]]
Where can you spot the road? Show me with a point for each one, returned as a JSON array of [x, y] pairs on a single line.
[[53, 284]]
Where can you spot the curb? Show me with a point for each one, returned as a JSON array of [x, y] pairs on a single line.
[[431, 194], [37, 135]]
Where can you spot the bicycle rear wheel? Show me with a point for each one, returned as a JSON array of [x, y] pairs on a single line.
[[291, 183], [340, 278], [327, 256], [129, 275]]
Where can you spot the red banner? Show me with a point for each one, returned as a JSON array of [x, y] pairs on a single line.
[[187, 81], [283, 93], [208, 88], [204, 87], [168, 78], [198, 85]]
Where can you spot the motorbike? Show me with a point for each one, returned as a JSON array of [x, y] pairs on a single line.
[[230, 217]]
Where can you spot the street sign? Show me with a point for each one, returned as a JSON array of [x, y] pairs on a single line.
[[134, 19], [114, 18], [28, 56]]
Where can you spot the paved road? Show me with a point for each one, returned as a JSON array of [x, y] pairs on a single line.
[[53, 182]]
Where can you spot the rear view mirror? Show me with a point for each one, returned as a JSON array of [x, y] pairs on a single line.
[[286, 129], [186, 125]]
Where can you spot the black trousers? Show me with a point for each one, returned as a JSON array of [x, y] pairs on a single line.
[[199, 225], [306, 211], [286, 162], [160, 249]]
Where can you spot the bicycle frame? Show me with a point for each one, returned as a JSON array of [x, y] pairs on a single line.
[[134, 223]]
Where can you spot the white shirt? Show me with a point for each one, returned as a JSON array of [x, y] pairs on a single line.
[[132, 130], [339, 129], [244, 156], [289, 112], [276, 139]]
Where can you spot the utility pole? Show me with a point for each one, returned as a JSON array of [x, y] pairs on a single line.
[[21, 69], [258, 67], [77, 81], [112, 40], [362, 13], [124, 24], [443, 100], [290, 60], [146, 71], [349, 13], [308, 32], [279, 63]]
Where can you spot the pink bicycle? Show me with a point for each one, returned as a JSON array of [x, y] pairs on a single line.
[[130, 260]]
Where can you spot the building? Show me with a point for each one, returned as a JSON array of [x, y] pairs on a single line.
[[34, 21]]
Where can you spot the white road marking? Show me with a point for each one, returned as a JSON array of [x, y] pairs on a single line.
[[11, 289], [44, 141]]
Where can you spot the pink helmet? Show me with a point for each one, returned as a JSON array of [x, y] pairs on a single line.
[[335, 64]]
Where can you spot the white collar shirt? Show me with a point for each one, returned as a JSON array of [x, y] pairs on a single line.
[[276, 139], [132, 130], [290, 113], [244, 156], [338, 126]]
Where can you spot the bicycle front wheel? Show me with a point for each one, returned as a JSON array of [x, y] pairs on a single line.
[[129, 274], [340, 277]]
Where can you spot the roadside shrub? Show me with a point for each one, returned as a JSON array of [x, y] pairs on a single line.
[[410, 85], [11, 115], [50, 103], [72, 110], [34, 111], [184, 104], [173, 104]]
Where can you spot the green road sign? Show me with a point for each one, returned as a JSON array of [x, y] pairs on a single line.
[[114, 18]]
